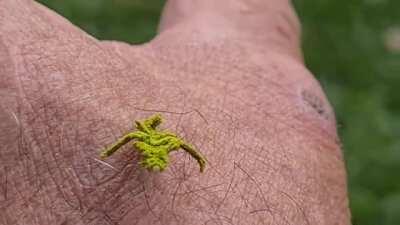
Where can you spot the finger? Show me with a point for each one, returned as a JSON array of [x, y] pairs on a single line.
[[260, 22]]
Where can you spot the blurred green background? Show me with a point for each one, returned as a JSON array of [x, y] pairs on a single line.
[[352, 46]]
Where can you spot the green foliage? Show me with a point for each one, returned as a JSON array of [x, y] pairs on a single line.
[[133, 21], [346, 48]]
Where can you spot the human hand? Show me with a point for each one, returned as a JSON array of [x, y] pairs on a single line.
[[226, 75]]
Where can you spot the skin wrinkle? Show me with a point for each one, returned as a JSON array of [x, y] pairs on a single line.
[[10, 129], [268, 80], [67, 132], [45, 107], [8, 106]]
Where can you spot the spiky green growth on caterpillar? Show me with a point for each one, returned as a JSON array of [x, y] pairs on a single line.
[[153, 145]]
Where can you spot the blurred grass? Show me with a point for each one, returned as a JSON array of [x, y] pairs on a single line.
[[346, 47], [133, 21]]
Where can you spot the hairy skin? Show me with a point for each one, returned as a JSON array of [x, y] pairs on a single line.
[[226, 75]]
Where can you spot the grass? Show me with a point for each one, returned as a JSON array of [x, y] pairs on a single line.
[[346, 46]]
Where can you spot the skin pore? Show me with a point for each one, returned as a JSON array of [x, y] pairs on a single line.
[[227, 76]]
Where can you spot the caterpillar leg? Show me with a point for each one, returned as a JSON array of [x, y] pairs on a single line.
[[195, 154], [121, 142]]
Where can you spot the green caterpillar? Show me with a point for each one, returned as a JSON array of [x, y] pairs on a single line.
[[153, 145]]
